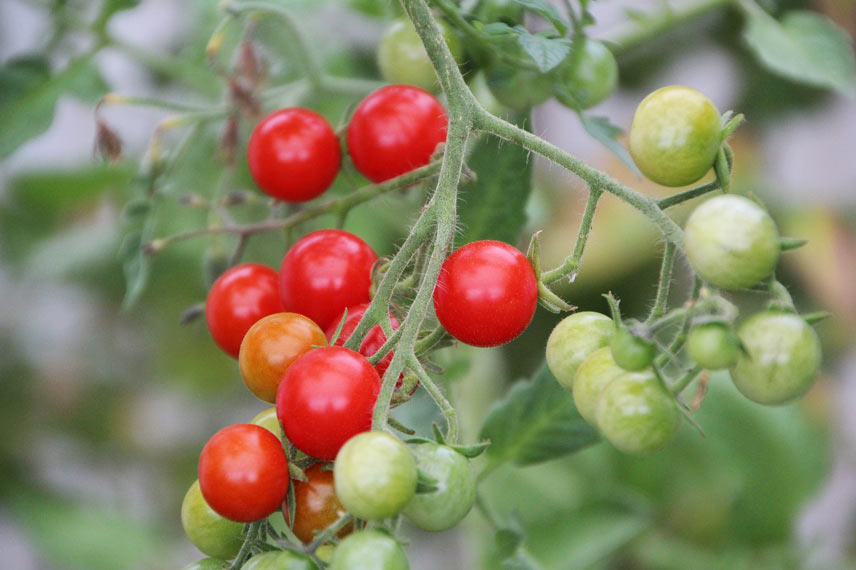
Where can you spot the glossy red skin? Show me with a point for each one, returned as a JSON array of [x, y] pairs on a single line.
[[324, 273], [240, 297], [243, 472], [294, 154], [486, 293], [395, 130], [316, 505], [326, 397], [371, 342]]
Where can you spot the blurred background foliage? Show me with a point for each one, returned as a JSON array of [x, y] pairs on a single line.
[[104, 411]]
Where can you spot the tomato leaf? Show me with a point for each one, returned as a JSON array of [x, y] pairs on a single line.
[[135, 264], [494, 205], [547, 53], [546, 11], [606, 133], [537, 421], [804, 46]]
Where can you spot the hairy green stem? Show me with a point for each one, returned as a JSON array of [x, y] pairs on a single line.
[[572, 263], [686, 195], [662, 298], [437, 395]]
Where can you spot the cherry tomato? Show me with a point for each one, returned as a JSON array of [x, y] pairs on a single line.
[[375, 475], [395, 130], [369, 550], [675, 135], [636, 414], [402, 57], [326, 397], [208, 531], [587, 76], [519, 89], [269, 348], [731, 242], [572, 340], [373, 340], [316, 505], [294, 155], [456, 488], [243, 472], [632, 352], [713, 346], [268, 420], [782, 358], [593, 375], [240, 297], [486, 293], [281, 560], [208, 564], [324, 273]]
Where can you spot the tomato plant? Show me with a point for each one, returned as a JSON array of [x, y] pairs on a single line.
[[455, 493], [713, 346], [316, 505], [394, 130], [282, 560], [240, 297], [325, 398], [324, 273], [519, 89], [593, 375], [588, 76], [486, 293], [373, 340], [631, 352], [294, 155], [208, 531], [402, 58], [208, 564], [269, 348], [243, 472], [369, 550], [573, 340]]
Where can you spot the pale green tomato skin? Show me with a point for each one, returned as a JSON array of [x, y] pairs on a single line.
[[519, 89], [588, 76], [369, 550], [208, 531], [782, 361], [572, 340], [713, 346], [284, 560], [731, 242], [375, 475], [402, 58], [207, 564], [268, 420], [594, 374], [631, 352], [675, 135], [456, 488], [636, 414]]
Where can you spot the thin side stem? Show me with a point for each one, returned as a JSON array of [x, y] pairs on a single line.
[[437, 395], [572, 263], [666, 267]]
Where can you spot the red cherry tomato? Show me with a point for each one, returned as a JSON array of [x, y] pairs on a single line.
[[371, 342], [240, 297], [395, 130], [326, 397], [243, 472], [324, 273], [486, 293], [294, 154], [316, 505]]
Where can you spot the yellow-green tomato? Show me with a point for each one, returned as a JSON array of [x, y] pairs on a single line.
[[636, 414], [675, 135], [369, 550], [782, 358], [402, 57], [268, 420], [593, 375], [208, 531], [572, 340], [375, 475], [587, 76], [282, 560], [456, 488], [731, 242]]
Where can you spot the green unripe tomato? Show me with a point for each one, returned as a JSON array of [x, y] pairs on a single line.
[[519, 89], [675, 135], [402, 57], [572, 340], [713, 346], [731, 242], [282, 560], [782, 358], [456, 488], [631, 352], [587, 76], [636, 414], [268, 420], [594, 374], [369, 550], [375, 475], [207, 530], [208, 564], [507, 11]]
